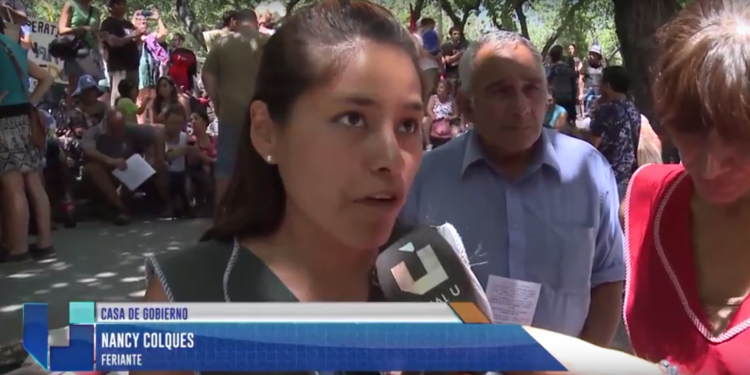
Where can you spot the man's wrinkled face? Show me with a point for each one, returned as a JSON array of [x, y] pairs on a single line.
[[508, 98]]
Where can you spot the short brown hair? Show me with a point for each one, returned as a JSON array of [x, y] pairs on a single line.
[[701, 77]]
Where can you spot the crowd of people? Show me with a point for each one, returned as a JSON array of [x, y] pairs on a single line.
[[323, 126]]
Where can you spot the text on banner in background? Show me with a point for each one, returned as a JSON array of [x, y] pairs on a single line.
[[42, 34], [512, 301]]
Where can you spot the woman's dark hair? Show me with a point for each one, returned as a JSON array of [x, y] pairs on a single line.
[[203, 114], [556, 53], [617, 79], [310, 49], [2, 26], [701, 76], [159, 100]]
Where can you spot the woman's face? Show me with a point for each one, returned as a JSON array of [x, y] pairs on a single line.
[[199, 124], [720, 172], [350, 150], [442, 90], [165, 88]]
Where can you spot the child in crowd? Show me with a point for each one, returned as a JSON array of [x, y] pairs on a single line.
[[177, 151], [125, 103]]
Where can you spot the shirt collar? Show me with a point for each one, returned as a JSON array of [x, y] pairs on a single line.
[[545, 155]]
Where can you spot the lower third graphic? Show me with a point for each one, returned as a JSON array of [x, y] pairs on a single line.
[[78, 355]]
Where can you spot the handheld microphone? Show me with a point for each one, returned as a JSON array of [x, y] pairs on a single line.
[[430, 264]]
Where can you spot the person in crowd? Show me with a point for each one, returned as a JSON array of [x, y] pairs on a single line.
[[558, 225], [14, 13], [562, 81], [615, 126], [82, 18], [589, 79], [167, 94], [183, 65], [57, 176], [286, 233], [21, 161], [122, 41], [452, 50], [201, 166], [267, 14], [108, 141], [126, 102], [576, 66], [178, 41], [223, 28], [177, 150], [556, 116], [442, 122], [649, 144], [687, 224], [153, 57], [229, 76], [428, 59]]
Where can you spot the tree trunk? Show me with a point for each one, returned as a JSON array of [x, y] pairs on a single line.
[[636, 24], [191, 23], [457, 21]]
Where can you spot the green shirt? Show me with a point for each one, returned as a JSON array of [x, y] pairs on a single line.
[[128, 109], [80, 17]]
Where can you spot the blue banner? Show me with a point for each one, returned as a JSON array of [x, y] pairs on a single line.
[[319, 347]]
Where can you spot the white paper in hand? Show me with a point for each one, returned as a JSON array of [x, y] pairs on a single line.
[[139, 170]]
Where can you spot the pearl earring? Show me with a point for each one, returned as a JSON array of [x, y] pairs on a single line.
[[269, 158]]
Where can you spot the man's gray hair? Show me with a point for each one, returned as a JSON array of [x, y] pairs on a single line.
[[498, 40]]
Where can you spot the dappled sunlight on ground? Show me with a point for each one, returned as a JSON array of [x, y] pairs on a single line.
[[95, 262]]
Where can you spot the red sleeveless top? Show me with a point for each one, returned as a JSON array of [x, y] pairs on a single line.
[[663, 311]]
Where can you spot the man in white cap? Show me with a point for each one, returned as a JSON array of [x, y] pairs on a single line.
[[590, 78]]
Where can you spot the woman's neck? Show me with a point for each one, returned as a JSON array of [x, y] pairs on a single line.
[[443, 98], [314, 265]]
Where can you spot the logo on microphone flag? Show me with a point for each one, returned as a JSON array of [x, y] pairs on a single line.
[[435, 275], [284, 337]]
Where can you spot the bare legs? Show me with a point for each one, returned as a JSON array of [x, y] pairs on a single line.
[[15, 213]]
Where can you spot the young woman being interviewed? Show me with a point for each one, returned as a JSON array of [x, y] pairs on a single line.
[[322, 174]]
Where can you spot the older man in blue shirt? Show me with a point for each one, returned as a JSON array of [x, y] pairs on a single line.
[[534, 207]]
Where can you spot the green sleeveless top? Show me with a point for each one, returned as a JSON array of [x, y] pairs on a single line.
[[218, 271], [79, 18]]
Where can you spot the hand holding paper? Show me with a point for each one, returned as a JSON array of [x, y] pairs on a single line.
[[137, 172]]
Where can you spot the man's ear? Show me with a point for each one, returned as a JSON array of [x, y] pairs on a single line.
[[465, 104], [262, 130]]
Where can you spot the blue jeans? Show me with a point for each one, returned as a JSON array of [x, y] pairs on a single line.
[[226, 150], [588, 98]]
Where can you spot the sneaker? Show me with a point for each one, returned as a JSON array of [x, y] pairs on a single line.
[[41, 253], [7, 257]]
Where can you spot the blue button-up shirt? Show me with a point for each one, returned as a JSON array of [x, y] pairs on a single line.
[[558, 225]]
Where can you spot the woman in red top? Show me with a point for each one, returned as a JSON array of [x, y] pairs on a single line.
[[688, 227]]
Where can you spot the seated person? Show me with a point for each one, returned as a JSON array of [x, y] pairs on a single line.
[[125, 103], [177, 151], [107, 144], [443, 120], [200, 167], [556, 116], [57, 176]]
